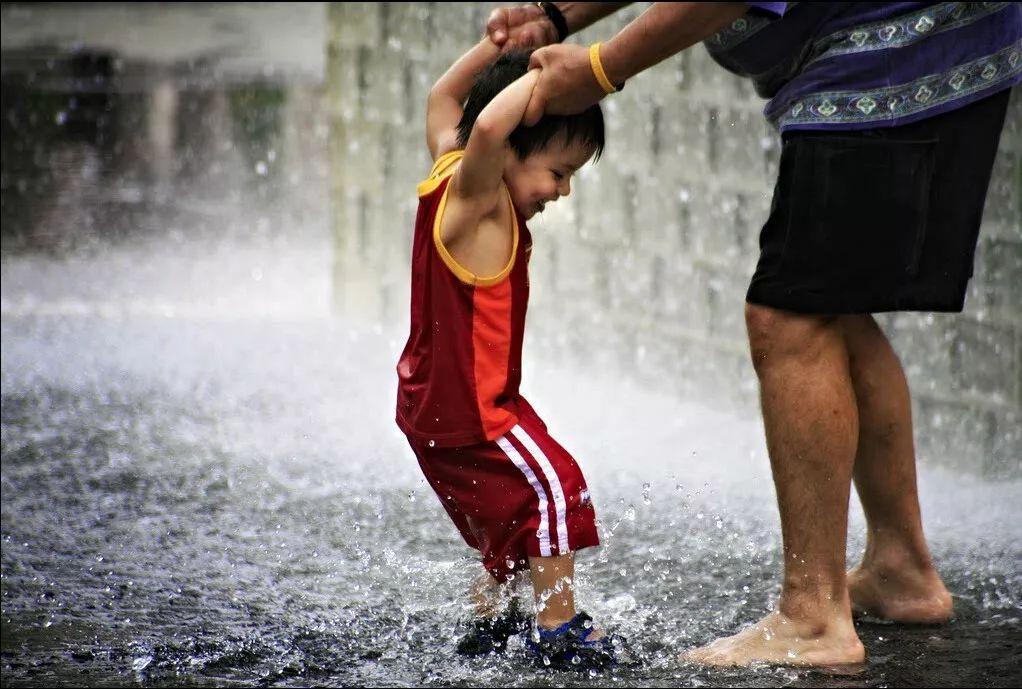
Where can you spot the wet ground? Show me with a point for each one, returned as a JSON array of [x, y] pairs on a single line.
[[202, 483], [212, 502]]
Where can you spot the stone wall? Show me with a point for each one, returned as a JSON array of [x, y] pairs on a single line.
[[642, 271]]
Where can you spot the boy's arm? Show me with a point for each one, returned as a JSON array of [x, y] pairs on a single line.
[[477, 183], [482, 169], [444, 108]]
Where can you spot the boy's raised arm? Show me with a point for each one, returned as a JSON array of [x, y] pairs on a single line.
[[482, 169], [444, 108]]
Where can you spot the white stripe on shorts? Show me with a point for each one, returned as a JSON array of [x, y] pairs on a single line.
[[560, 504], [543, 532]]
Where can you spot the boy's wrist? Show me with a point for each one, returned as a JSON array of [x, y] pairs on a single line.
[[486, 43]]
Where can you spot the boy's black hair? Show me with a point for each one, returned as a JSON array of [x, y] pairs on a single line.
[[585, 127]]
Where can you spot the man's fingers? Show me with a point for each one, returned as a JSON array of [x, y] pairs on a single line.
[[534, 110], [497, 25], [524, 13], [532, 36], [503, 21], [538, 59]]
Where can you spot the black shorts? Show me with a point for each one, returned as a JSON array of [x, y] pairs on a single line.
[[879, 219]]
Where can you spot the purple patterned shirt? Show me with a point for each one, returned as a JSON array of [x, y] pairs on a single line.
[[864, 65]]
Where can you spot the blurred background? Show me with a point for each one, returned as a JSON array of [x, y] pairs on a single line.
[[206, 226]]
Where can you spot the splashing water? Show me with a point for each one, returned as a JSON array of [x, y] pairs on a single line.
[[184, 499], [202, 484]]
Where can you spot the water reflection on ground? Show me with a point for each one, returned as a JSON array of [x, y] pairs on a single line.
[[201, 480]]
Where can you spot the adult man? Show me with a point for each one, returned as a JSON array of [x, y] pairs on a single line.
[[890, 115]]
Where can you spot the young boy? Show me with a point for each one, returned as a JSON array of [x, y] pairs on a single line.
[[512, 491]]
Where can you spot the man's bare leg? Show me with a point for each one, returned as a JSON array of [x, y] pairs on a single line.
[[811, 422], [896, 579]]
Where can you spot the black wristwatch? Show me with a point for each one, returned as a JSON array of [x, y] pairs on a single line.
[[556, 18]]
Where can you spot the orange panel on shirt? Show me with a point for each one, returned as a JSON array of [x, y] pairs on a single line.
[[491, 345]]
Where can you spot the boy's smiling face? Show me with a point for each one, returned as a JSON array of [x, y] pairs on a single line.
[[544, 176]]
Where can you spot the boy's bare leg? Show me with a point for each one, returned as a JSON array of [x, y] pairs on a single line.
[[553, 581], [811, 423], [488, 595], [896, 579]]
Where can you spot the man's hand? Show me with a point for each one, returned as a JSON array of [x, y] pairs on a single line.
[[526, 26], [566, 85]]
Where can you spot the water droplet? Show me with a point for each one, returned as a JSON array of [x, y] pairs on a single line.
[[432, 443], [261, 168]]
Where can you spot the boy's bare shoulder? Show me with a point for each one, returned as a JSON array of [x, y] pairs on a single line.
[[471, 213], [481, 243]]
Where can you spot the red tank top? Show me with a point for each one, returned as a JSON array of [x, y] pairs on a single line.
[[459, 373]]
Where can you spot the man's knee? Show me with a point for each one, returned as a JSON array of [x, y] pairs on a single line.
[[777, 336]]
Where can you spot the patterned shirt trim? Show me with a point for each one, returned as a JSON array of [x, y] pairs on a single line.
[[903, 31], [741, 29], [894, 102]]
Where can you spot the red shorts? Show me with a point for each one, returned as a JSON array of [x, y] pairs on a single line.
[[518, 496]]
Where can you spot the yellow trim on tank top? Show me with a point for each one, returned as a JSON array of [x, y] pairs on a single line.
[[462, 273], [443, 167]]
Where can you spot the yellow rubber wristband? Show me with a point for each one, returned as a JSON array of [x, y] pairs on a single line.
[[597, 66]]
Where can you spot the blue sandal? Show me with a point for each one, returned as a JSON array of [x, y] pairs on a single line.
[[569, 648], [490, 635]]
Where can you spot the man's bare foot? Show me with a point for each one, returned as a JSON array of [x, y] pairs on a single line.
[[780, 640], [899, 594]]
